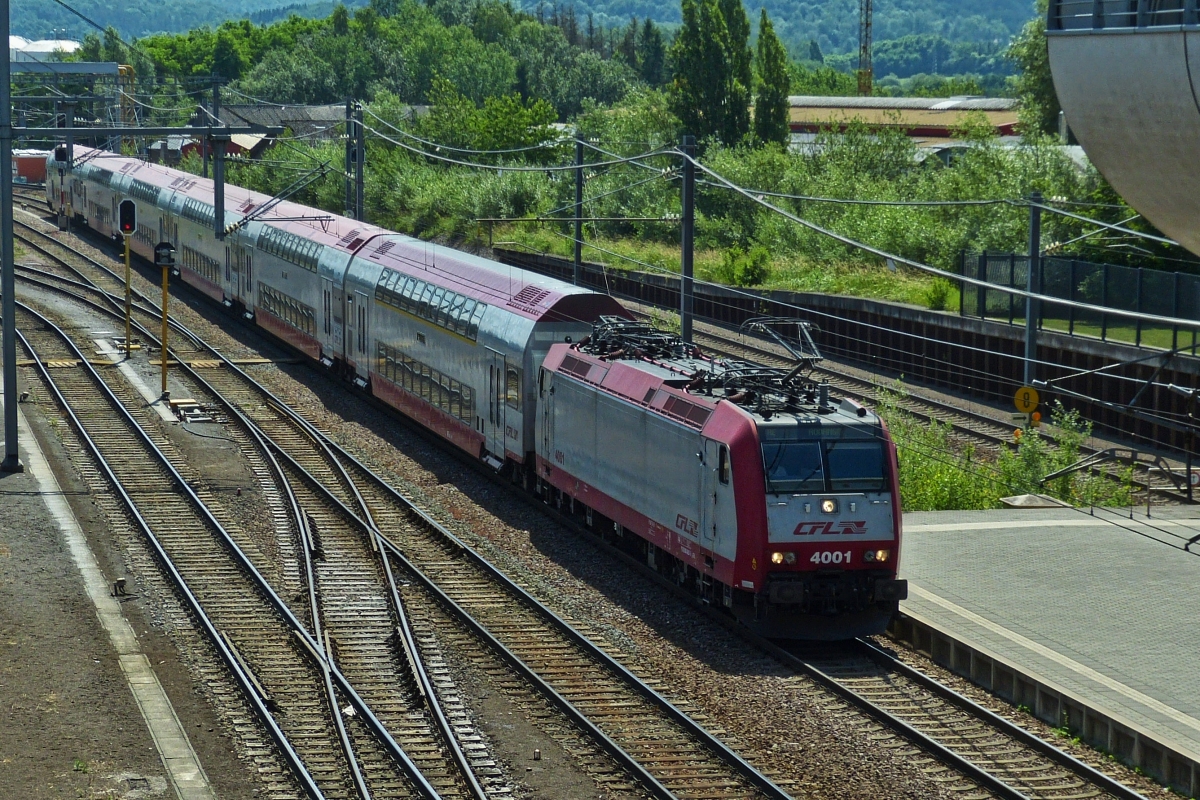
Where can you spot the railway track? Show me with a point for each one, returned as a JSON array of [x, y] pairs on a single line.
[[982, 755], [1004, 760], [345, 605], [954, 740], [285, 671], [664, 749]]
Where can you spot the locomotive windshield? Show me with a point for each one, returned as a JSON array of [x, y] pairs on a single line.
[[794, 466], [855, 466], [834, 465]]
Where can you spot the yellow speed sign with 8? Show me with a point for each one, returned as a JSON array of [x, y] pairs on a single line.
[[1026, 399]]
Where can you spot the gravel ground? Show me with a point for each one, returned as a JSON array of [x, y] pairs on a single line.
[[779, 720]]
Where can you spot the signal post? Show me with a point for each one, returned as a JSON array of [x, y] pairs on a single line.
[[127, 225], [164, 256]]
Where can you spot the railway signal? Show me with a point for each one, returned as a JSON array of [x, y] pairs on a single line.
[[164, 256], [127, 224], [128, 217]]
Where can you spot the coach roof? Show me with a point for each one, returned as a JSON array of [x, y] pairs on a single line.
[[517, 291]]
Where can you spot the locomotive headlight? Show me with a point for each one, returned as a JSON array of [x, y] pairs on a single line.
[[829, 506], [789, 558], [877, 555], [776, 558]]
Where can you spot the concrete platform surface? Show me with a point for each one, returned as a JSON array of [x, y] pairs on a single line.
[[1087, 617]]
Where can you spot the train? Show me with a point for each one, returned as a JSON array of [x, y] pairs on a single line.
[[745, 484]]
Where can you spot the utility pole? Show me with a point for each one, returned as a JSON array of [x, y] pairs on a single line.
[[204, 141], [349, 204], [865, 70], [686, 242], [12, 459], [360, 174], [68, 107], [218, 164], [1033, 307], [578, 211]]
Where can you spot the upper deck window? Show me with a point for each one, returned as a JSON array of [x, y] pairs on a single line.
[[297, 250], [441, 306]]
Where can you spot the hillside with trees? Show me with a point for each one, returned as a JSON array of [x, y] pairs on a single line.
[[913, 37]]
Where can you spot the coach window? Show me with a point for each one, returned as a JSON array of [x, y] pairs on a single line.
[[723, 464], [513, 388]]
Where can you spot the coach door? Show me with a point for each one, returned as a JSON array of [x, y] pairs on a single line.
[[327, 309], [246, 289], [718, 513], [361, 334], [496, 405]]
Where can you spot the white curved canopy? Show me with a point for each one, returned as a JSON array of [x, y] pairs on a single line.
[[1130, 96]]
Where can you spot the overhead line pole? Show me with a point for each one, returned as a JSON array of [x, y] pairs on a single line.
[[218, 148], [349, 181], [578, 211], [12, 459], [360, 174], [1032, 306], [687, 238]]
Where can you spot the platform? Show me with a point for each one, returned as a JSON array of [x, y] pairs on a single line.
[[1088, 618], [84, 711]]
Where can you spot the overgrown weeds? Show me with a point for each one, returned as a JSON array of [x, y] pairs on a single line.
[[941, 473]]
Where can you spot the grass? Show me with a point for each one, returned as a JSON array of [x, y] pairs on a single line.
[[1151, 336], [938, 473], [789, 273]]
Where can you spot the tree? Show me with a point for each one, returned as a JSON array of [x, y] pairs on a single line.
[[771, 102], [227, 59], [626, 48], [339, 20], [1033, 85], [699, 87], [814, 52], [741, 75], [653, 53], [493, 22]]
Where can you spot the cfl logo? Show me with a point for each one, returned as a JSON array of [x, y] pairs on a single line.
[[848, 528], [689, 526]]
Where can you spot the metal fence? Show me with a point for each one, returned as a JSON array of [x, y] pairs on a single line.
[[1074, 15], [1166, 294]]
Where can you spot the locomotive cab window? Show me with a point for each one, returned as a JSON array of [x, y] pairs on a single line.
[[793, 467], [723, 464], [824, 465], [855, 466]]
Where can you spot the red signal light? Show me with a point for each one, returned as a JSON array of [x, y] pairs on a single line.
[[127, 218]]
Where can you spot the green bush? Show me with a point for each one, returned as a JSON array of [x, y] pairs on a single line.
[[741, 268], [939, 472], [938, 294]]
